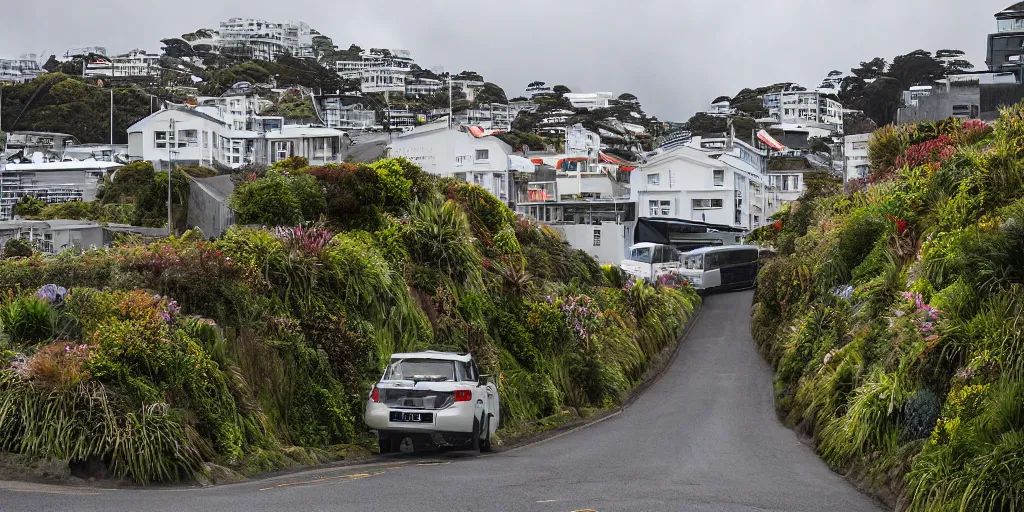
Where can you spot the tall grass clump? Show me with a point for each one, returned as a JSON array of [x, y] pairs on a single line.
[[917, 391]]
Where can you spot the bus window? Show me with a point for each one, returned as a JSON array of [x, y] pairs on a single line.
[[747, 256], [643, 255], [713, 260]]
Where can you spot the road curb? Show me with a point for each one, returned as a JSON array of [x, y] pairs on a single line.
[[659, 371]]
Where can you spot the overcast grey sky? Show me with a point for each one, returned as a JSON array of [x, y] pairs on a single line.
[[675, 55]]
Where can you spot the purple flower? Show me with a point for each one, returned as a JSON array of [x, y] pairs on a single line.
[[52, 293]]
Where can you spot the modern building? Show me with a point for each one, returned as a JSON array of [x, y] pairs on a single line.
[[55, 236], [421, 87], [590, 100], [1006, 46], [198, 136], [20, 70], [134, 64], [379, 70], [264, 40], [345, 112], [816, 111], [965, 96], [855, 156], [494, 116], [720, 109], [463, 153]]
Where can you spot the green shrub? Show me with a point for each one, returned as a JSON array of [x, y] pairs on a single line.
[[17, 248], [269, 201]]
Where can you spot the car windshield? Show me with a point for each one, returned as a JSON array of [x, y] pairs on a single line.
[[421, 369], [643, 254]]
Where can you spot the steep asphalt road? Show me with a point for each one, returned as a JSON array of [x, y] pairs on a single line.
[[703, 438]]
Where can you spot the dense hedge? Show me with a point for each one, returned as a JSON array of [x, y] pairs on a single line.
[[158, 358], [894, 317]]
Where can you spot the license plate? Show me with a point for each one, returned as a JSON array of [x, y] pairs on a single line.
[[411, 417]]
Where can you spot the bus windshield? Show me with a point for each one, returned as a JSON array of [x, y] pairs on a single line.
[[642, 254]]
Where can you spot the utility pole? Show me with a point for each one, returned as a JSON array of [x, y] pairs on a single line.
[[111, 118], [170, 173], [451, 111]]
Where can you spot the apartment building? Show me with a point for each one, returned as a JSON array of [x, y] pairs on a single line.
[[495, 116], [134, 64], [345, 112], [265, 40], [20, 70], [379, 70], [805, 109], [420, 87]]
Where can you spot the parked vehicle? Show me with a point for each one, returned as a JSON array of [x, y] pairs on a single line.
[[436, 398], [651, 261], [727, 267]]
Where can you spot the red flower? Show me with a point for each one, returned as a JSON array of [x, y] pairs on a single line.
[[777, 225]]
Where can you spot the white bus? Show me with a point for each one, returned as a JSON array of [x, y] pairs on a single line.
[[728, 267], [651, 261]]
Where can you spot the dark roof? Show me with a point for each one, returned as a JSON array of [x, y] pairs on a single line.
[[1014, 11]]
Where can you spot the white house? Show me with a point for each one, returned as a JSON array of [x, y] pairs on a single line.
[[721, 109], [855, 156], [197, 137], [136, 63], [455, 152], [805, 109], [726, 186], [589, 100], [20, 70]]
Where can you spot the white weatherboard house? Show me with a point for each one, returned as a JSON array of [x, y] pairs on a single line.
[[200, 136], [725, 187], [455, 152]]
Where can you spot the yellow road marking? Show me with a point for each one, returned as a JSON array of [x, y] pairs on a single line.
[[357, 476]]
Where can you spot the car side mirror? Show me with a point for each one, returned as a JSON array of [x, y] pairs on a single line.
[[484, 379]]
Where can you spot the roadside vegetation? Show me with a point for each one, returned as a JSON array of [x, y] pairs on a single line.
[[894, 317], [177, 359]]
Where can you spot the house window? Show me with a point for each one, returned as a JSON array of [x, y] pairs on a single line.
[[860, 145], [654, 179], [161, 139], [719, 175], [660, 208], [206, 140], [739, 216], [706, 204], [597, 238], [482, 154]]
